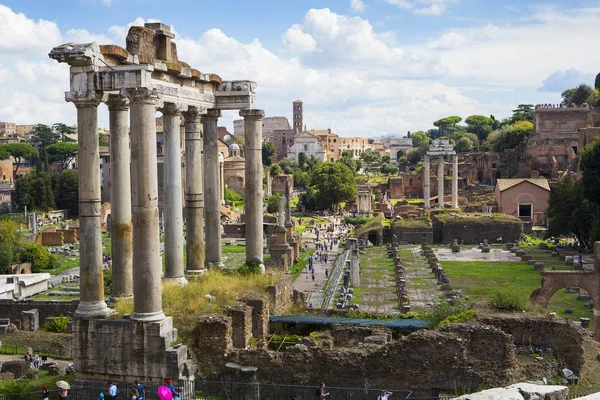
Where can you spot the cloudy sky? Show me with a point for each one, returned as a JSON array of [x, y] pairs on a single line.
[[362, 67]]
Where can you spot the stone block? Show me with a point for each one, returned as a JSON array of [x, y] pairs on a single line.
[[260, 315], [17, 368], [538, 266], [494, 394], [532, 391], [531, 262], [376, 339], [520, 253], [241, 324], [526, 257], [30, 320]]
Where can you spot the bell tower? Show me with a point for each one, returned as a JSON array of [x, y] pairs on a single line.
[[298, 122]]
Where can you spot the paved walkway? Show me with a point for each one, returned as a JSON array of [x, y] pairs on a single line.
[[304, 283]]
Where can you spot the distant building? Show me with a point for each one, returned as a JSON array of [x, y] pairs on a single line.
[[399, 147], [356, 145], [270, 124], [308, 144], [525, 198], [8, 128], [23, 130], [298, 113]]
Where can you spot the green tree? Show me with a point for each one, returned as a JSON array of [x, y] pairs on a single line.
[[590, 171], [66, 192], [62, 153], [479, 125], [21, 152], [510, 136], [348, 153], [274, 170], [447, 125], [288, 163], [523, 112], [597, 82], [413, 157], [569, 212], [464, 144], [577, 96], [334, 183], [388, 169], [301, 179], [43, 136], [302, 160], [352, 163], [62, 130], [268, 149], [273, 203], [418, 138], [371, 157]]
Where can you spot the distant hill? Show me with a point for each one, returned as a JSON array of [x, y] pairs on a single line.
[[389, 136]]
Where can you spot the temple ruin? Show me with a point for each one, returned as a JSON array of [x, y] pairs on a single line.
[[136, 82], [440, 149]]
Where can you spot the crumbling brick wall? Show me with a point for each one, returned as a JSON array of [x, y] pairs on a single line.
[[281, 295]]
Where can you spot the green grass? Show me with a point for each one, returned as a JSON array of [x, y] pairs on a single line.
[[480, 280], [298, 267], [15, 386]]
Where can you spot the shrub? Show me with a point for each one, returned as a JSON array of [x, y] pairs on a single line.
[[39, 257], [444, 311], [509, 301], [57, 325], [249, 268], [278, 342], [273, 203], [231, 196], [462, 316], [357, 221]]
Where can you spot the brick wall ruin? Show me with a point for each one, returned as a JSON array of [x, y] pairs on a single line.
[[474, 230], [46, 309]]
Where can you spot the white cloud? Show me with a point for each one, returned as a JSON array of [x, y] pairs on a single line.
[[432, 9], [422, 7], [23, 35], [294, 40], [357, 6], [401, 3], [560, 81]]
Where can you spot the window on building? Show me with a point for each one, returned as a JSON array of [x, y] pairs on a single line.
[[410, 182], [305, 147], [525, 210], [493, 165]]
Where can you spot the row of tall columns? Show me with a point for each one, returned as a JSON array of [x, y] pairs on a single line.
[[137, 262], [440, 177]]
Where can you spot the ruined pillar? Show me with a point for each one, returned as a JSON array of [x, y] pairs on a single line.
[[291, 239], [214, 255], [91, 284], [455, 181], [254, 187], [173, 208], [426, 183], [120, 196], [441, 182], [194, 202], [147, 262], [269, 181]]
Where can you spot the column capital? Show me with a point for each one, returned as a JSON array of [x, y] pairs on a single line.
[[212, 113], [90, 98], [117, 102], [143, 95], [173, 108], [193, 113], [252, 113]]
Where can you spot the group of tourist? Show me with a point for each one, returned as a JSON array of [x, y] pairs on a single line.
[[32, 360], [137, 391]]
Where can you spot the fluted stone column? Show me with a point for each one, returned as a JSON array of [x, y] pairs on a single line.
[[441, 182], [194, 201], [173, 206], [455, 181], [426, 184], [214, 256], [254, 186], [147, 262], [91, 284], [120, 196]]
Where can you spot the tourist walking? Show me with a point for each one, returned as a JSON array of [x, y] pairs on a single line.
[[384, 395], [140, 389], [112, 391], [45, 393], [322, 392], [36, 361]]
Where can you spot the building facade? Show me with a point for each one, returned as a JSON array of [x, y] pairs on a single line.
[[307, 143]]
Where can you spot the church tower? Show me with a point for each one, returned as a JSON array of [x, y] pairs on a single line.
[[298, 116]]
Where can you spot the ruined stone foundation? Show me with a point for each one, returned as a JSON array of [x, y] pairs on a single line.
[[126, 350]]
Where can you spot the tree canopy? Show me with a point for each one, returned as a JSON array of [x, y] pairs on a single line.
[[332, 183], [21, 152], [590, 171], [479, 125], [62, 153], [268, 149], [419, 138], [43, 136], [62, 130], [447, 125]]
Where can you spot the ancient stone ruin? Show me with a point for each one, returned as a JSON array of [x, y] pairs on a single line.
[[137, 81]]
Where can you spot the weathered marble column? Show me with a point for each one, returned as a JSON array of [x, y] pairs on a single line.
[[441, 182], [426, 184], [254, 185], [147, 261], [173, 205], [455, 181], [221, 179], [120, 196], [194, 198], [214, 256], [91, 284]]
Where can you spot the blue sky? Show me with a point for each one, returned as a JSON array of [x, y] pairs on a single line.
[[362, 67]]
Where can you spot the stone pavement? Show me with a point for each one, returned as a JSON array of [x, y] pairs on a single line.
[[304, 282]]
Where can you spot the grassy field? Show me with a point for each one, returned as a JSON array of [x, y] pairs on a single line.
[[377, 290], [481, 280], [297, 268], [14, 386]]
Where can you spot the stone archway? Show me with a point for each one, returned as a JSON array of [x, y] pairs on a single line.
[[552, 281]]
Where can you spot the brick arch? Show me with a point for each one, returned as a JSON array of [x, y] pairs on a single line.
[[552, 281]]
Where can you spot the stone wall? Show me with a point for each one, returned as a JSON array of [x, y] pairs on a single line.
[[412, 235], [281, 295], [563, 337], [69, 235], [11, 309], [473, 229], [278, 184]]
